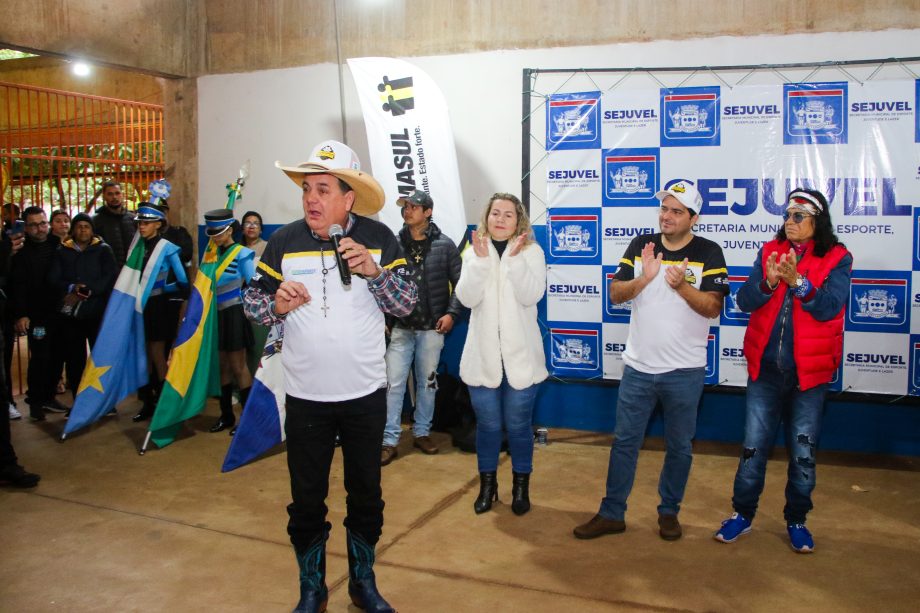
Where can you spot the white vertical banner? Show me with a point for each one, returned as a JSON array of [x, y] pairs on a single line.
[[410, 140]]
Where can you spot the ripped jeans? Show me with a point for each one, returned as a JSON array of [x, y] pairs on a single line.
[[425, 347], [775, 397]]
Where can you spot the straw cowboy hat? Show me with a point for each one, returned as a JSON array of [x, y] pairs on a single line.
[[337, 159]]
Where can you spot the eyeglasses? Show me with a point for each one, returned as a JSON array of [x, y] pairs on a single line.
[[37, 224], [797, 217], [251, 224]]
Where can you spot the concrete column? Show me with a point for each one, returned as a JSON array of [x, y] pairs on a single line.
[[180, 119]]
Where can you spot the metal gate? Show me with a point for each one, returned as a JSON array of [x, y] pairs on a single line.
[[57, 148]]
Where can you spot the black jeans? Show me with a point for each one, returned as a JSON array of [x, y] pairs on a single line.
[[74, 334], [44, 366], [310, 428], [7, 455]]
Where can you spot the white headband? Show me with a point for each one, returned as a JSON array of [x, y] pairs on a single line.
[[814, 208]]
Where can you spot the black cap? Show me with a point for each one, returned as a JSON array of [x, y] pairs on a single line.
[[217, 221], [83, 217], [418, 198]]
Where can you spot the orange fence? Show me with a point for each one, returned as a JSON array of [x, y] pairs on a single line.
[[57, 148]]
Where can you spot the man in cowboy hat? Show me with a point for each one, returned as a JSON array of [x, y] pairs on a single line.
[[333, 358]]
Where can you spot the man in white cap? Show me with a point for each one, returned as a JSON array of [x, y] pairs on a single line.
[[334, 371], [676, 282]]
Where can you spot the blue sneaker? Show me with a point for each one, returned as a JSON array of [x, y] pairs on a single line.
[[800, 538], [732, 528]]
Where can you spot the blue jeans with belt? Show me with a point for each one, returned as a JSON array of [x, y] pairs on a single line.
[[772, 398], [679, 392], [511, 408]]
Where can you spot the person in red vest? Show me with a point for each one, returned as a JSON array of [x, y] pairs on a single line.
[[796, 293]]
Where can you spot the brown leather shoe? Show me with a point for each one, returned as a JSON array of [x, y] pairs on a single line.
[[599, 526], [426, 445], [388, 454], [669, 527]]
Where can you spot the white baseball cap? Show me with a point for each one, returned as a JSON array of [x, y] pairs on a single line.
[[685, 192]]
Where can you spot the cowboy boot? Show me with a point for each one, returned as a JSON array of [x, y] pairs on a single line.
[[312, 562], [244, 396], [226, 418], [488, 492], [362, 584], [520, 493]]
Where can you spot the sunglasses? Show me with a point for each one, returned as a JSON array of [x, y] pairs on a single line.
[[251, 224], [796, 217]]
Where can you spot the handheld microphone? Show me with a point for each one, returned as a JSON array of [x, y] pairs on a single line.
[[335, 233]]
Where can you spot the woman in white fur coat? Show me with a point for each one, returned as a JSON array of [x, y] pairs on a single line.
[[503, 278]]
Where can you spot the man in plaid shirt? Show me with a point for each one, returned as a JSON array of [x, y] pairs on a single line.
[[333, 358]]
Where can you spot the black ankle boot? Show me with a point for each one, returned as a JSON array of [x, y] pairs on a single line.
[[362, 584], [488, 492], [226, 419], [312, 562], [520, 493]]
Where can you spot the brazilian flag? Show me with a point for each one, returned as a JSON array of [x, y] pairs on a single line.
[[194, 371]]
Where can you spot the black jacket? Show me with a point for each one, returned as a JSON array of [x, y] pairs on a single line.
[[117, 229], [442, 272], [180, 237], [94, 267], [31, 293]]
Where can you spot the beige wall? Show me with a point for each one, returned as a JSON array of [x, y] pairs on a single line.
[[195, 37], [102, 81], [157, 36]]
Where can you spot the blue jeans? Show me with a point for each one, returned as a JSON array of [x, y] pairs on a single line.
[[679, 392], [774, 397], [504, 405], [425, 346]]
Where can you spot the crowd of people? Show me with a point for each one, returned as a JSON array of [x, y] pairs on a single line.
[[361, 306], [56, 276]]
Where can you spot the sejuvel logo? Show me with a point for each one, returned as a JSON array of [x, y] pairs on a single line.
[[816, 113], [878, 302], [573, 348], [690, 116], [573, 235], [572, 121], [630, 174]]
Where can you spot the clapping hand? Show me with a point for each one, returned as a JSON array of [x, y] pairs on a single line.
[[517, 244], [650, 264], [676, 275], [786, 267], [480, 244]]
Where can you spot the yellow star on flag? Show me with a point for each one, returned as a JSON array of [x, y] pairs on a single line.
[[92, 376]]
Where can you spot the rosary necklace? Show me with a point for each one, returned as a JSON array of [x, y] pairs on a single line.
[[322, 258]]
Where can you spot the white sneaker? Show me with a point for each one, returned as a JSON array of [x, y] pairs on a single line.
[[14, 414]]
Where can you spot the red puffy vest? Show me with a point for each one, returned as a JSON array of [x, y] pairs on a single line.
[[818, 345]]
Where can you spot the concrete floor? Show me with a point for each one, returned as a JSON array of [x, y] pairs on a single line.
[[108, 530]]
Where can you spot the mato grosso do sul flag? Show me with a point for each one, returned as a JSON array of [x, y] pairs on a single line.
[[117, 365]]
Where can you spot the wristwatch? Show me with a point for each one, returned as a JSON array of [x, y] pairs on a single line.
[[799, 281]]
